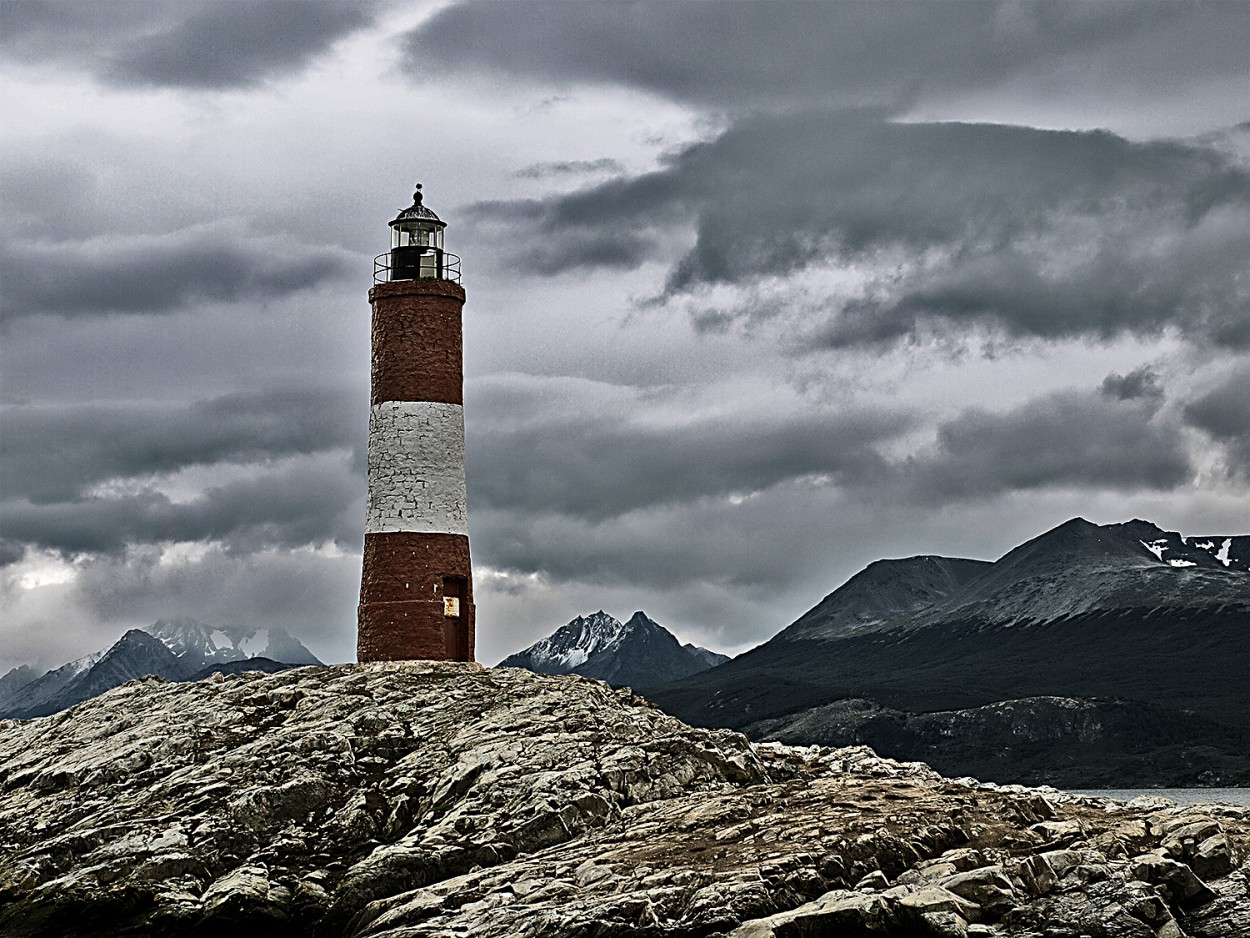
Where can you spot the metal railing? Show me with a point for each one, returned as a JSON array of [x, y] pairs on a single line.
[[450, 269]]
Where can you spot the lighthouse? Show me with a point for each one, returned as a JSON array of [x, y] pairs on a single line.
[[416, 591]]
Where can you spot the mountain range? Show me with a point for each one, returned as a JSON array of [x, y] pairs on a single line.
[[1091, 656], [178, 649], [637, 653]]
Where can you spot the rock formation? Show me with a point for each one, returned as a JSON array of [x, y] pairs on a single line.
[[433, 799]]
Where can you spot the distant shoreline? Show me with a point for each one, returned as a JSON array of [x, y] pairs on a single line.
[[1233, 796]]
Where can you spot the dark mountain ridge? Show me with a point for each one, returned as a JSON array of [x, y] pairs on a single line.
[[1083, 612], [880, 592], [1082, 567]]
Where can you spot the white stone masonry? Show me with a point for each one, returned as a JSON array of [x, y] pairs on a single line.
[[416, 468]]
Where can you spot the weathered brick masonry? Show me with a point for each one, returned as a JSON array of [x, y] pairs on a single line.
[[418, 352]]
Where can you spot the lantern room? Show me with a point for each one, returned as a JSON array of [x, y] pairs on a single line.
[[417, 247]]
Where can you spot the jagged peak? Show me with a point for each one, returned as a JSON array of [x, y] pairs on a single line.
[[602, 647], [572, 643], [136, 637]]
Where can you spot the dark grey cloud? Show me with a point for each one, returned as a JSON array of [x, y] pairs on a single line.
[[751, 507], [291, 507], [559, 168], [10, 552], [581, 490], [158, 274], [1223, 413], [1038, 233], [1068, 439], [740, 53], [1141, 382], [597, 466], [764, 543], [178, 43], [57, 453], [40, 196], [1137, 275], [604, 227]]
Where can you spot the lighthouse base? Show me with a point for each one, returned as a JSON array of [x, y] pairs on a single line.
[[414, 630], [416, 598]]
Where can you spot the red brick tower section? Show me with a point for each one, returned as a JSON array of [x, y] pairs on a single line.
[[416, 593]]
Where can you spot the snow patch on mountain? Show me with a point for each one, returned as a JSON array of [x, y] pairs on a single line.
[[174, 649], [573, 644], [640, 652], [201, 645], [1205, 551]]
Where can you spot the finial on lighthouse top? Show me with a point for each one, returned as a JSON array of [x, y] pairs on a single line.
[[416, 196]]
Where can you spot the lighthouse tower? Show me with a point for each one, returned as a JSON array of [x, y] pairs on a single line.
[[416, 592]]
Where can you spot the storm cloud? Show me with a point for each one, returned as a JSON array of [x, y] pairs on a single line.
[[59, 452], [757, 294], [1036, 233], [305, 503], [1223, 414], [624, 457], [194, 44], [1141, 382], [793, 53], [1071, 438], [157, 274]]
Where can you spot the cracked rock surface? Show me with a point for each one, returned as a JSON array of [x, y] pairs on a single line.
[[431, 799]]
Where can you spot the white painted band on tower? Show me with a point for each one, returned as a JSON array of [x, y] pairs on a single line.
[[416, 468]]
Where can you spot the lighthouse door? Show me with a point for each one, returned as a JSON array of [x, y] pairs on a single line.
[[455, 629]]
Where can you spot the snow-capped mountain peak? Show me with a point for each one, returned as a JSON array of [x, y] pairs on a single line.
[[639, 652], [202, 645], [572, 644], [175, 649]]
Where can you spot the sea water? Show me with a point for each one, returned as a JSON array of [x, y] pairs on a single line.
[[1237, 796]]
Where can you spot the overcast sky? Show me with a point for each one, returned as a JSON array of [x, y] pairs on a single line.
[[758, 293]]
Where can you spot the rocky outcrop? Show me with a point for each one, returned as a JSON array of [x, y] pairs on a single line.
[[432, 799]]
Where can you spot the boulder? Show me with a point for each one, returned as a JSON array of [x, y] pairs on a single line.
[[934, 899], [1177, 880], [1212, 856], [988, 887], [840, 913]]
